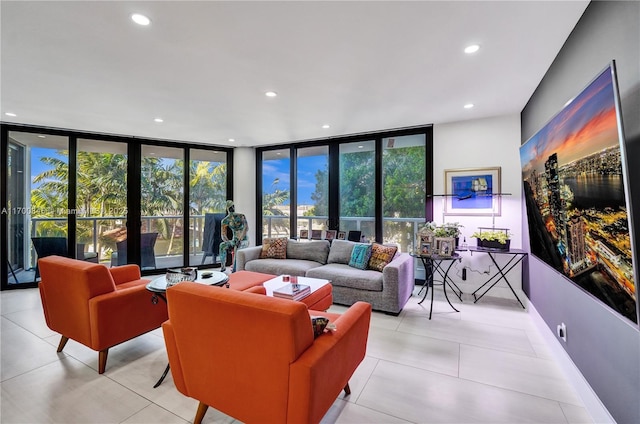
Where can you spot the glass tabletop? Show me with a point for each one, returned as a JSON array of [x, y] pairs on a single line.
[[159, 284]]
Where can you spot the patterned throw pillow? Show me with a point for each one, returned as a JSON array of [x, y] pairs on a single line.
[[274, 248], [360, 256], [381, 256]]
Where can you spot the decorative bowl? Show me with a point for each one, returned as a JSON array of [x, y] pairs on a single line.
[[175, 276]]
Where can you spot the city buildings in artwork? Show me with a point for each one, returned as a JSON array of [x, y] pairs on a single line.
[[582, 208]]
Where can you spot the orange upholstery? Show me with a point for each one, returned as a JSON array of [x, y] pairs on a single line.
[[242, 280], [254, 357], [96, 306]]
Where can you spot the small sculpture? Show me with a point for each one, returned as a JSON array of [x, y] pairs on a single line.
[[238, 225]]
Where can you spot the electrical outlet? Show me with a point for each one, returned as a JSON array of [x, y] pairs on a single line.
[[562, 331]]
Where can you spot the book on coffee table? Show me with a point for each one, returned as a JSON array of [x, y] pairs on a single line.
[[293, 291]]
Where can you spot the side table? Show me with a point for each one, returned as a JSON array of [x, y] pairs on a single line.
[[441, 265], [516, 256]]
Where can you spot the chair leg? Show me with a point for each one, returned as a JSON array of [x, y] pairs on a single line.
[[63, 343], [202, 409], [102, 360], [347, 389]]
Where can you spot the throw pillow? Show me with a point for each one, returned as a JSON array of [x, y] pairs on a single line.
[[274, 248], [381, 256], [360, 256]]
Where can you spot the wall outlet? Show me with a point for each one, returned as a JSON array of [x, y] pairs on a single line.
[[562, 332]]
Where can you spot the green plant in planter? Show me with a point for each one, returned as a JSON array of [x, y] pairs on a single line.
[[449, 229], [500, 236]]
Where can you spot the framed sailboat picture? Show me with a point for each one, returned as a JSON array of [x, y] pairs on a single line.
[[472, 191]]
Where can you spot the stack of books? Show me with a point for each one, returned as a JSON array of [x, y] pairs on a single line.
[[293, 291]]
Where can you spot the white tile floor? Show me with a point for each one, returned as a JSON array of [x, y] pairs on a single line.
[[486, 364]]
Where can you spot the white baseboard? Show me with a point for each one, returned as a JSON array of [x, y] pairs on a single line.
[[592, 403]]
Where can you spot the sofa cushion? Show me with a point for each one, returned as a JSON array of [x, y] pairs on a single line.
[[381, 256], [340, 252], [346, 276], [360, 256], [281, 267], [275, 248], [314, 250]]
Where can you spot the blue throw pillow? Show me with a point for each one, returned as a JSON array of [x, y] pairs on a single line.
[[360, 256]]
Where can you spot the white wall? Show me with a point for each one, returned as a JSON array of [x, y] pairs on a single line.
[[244, 186], [480, 143]]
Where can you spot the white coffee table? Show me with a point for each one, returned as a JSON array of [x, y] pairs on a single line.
[[276, 283]]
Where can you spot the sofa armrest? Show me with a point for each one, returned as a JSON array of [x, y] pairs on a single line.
[[246, 255], [324, 369], [398, 277]]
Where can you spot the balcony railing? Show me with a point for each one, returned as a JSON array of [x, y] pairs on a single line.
[[94, 233]]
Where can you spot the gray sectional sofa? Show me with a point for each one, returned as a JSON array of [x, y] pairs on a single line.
[[387, 291]]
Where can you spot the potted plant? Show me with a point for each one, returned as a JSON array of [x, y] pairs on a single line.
[[493, 238]]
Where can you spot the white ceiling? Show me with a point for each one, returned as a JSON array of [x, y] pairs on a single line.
[[204, 66]]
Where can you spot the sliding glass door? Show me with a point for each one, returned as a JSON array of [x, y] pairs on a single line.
[[101, 200], [162, 207], [37, 187]]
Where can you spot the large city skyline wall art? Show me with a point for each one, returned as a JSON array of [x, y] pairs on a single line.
[[576, 196]]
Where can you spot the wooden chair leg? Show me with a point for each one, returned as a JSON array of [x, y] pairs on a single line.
[[347, 390], [202, 409], [102, 360], [63, 343]]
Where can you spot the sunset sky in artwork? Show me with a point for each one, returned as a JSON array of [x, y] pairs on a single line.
[[587, 125]]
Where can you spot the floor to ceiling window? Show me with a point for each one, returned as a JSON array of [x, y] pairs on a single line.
[[357, 188], [101, 199], [276, 193], [375, 184], [105, 199], [207, 195], [312, 190], [37, 187], [403, 192], [161, 204]]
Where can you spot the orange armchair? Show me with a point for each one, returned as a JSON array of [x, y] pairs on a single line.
[[96, 306], [254, 357]]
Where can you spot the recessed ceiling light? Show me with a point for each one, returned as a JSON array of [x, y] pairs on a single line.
[[158, 120], [11, 114], [140, 19], [232, 140], [468, 105], [360, 147], [325, 126], [42, 136], [271, 94], [471, 49]]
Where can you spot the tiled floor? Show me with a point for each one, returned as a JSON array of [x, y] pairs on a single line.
[[486, 364]]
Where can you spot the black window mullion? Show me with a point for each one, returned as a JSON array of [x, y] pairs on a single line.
[[71, 196], [379, 204], [334, 186], [186, 210], [293, 191]]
